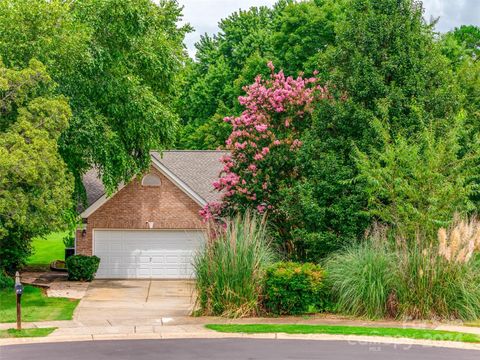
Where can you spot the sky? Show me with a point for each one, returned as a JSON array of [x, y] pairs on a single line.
[[204, 15]]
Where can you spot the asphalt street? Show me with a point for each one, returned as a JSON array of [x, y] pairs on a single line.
[[230, 349]]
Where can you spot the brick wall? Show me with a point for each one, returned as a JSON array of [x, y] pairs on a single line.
[[167, 206]]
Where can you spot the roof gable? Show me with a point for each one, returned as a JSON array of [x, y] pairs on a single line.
[[192, 171]]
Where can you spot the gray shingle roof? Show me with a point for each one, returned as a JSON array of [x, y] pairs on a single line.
[[197, 169], [93, 186]]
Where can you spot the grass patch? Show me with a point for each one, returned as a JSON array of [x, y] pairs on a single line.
[[347, 330], [35, 306], [474, 323], [33, 332], [47, 249]]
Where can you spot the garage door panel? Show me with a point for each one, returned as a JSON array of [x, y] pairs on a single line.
[[146, 253]]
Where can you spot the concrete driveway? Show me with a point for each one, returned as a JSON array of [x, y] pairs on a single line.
[[132, 302]]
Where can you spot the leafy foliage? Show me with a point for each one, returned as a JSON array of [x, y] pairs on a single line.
[[417, 184], [294, 288], [6, 282], [35, 187], [387, 66], [82, 268], [117, 62], [289, 34], [262, 145]]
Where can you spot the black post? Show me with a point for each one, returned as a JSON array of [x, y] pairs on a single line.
[[19, 311]]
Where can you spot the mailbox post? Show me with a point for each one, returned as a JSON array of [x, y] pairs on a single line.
[[19, 292]]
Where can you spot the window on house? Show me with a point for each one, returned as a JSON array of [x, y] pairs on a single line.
[[151, 180]]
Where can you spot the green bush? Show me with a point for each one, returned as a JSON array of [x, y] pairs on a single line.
[[82, 268], [69, 241], [294, 288], [14, 252], [6, 281], [231, 267]]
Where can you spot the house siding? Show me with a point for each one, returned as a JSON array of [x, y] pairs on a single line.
[[167, 206]]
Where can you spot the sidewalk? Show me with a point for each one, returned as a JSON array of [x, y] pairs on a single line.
[[190, 327]]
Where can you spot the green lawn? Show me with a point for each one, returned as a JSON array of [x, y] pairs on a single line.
[[47, 249], [34, 332], [35, 306], [347, 330]]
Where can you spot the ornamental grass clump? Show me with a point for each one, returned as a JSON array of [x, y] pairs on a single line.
[[421, 278], [363, 279], [431, 287], [459, 242], [442, 280], [231, 267]]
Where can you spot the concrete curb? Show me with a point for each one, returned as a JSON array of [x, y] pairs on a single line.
[[371, 341]]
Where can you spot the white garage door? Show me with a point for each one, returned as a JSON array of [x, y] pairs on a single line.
[[162, 254]]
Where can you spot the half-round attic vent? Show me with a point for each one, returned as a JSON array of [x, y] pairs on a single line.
[[151, 180]]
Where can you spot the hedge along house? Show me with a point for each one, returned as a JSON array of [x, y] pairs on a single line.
[[150, 227]]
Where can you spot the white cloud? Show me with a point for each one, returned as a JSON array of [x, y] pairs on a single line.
[[204, 15], [453, 13]]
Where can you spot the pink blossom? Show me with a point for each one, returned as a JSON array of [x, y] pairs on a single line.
[[211, 211], [261, 127], [274, 109], [296, 144], [261, 208], [241, 146]]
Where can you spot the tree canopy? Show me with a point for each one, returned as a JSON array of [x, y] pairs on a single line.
[[118, 64], [35, 185], [289, 34], [389, 68]]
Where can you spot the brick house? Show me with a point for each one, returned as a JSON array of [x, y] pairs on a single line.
[[150, 227]]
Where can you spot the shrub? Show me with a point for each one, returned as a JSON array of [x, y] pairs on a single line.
[[14, 252], [231, 267], [69, 241], [294, 288], [82, 268], [6, 281]]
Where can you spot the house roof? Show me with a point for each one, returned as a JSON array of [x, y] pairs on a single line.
[[197, 169], [192, 170]]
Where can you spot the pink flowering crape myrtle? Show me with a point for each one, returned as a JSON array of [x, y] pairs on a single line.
[[277, 110]]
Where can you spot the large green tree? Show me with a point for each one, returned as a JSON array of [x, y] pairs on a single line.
[[416, 184], [290, 34], [387, 67], [462, 47], [117, 62], [35, 186]]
